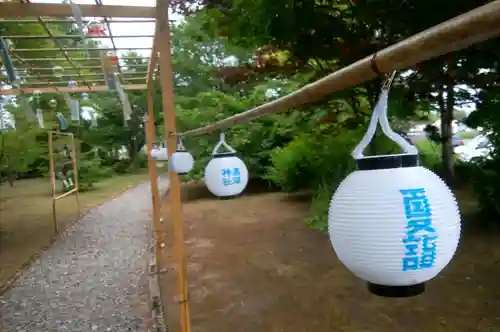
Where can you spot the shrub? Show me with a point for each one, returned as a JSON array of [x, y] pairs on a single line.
[[312, 159], [122, 166], [430, 154], [89, 172], [319, 208], [319, 162], [485, 179]]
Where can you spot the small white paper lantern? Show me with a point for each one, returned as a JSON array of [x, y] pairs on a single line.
[[58, 71], [393, 223], [226, 175], [160, 154], [53, 103], [181, 161]]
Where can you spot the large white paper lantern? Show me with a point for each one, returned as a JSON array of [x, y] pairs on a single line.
[[181, 161], [392, 222], [226, 175]]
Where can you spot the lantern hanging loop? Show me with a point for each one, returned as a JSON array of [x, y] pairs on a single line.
[[222, 143], [180, 145], [379, 115]]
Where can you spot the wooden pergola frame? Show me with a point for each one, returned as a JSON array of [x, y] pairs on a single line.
[[89, 78], [44, 14]]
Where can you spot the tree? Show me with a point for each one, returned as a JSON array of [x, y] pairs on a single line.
[[19, 148]]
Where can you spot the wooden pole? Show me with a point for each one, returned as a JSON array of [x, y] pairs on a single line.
[[15, 9], [174, 196], [75, 173], [161, 254], [52, 183], [153, 177], [54, 89]]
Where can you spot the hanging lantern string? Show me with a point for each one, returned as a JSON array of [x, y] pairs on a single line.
[[180, 145], [380, 116], [388, 81], [222, 142]]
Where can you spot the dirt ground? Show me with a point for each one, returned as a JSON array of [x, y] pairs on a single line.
[[26, 225], [255, 266]]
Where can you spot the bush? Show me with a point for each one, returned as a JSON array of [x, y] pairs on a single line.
[[319, 209], [319, 162], [485, 180], [430, 154], [312, 159], [122, 166], [89, 172]]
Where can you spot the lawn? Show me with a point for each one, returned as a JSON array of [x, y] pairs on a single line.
[[26, 225]]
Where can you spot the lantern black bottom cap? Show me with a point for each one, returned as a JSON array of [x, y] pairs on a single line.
[[396, 291]]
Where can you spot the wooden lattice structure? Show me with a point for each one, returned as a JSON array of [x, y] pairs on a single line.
[[52, 169], [465, 30], [36, 76]]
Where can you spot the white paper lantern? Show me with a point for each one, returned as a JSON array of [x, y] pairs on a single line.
[[225, 175], [391, 222], [181, 161], [58, 71], [53, 103], [160, 154]]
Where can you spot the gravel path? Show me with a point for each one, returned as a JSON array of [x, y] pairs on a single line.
[[89, 279]]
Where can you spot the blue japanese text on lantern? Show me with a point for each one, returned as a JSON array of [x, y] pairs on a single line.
[[230, 176], [420, 238]]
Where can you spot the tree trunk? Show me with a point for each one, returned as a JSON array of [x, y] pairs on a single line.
[[134, 160], [446, 112]]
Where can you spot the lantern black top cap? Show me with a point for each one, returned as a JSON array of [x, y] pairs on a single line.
[[387, 162]]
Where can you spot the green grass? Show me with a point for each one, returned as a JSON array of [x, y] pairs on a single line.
[[467, 134], [26, 225]]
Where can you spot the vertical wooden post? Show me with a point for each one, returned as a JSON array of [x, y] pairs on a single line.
[[52, 182], [174, 181], [75, 173], [153, 175]]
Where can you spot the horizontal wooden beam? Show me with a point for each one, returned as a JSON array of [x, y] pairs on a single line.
[[26, 37], [63, 84], [69, 20], [80, 89], [14, 9], [80, 68], [72, 59], [77, 49], [81, 75]]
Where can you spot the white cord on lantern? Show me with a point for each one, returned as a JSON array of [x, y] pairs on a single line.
[[380, 115], [180, 145], [222, 142]]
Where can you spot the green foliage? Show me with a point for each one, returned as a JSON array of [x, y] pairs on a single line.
[[484, 172], [90, 172], [430, 154], [232, 56], [22, 148]]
